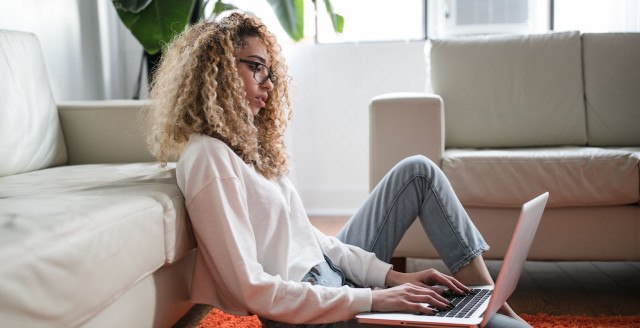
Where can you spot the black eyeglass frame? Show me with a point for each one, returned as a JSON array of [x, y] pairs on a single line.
[[272, 77]]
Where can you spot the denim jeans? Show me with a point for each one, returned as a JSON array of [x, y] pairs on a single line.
[[415, 187]]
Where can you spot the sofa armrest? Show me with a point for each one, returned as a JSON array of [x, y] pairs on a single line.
[[103, 131], [402, 125]]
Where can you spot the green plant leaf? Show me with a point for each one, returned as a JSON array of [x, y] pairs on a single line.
[[222, 7], [134, 6], [201, 9], [290, 13], [336, 20], [158, 23]]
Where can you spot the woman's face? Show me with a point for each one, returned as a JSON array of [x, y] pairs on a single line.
[[255, 52]]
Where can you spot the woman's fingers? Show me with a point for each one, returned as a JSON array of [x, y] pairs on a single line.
[[455, 286], [409, 298], [435, 302], [460, 285], [450, 282], [425, 295], [424, 309], [441, 291]]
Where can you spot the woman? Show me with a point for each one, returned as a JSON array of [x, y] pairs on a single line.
[[220, 104]]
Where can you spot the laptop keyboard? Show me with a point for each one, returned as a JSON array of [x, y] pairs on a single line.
[[465, 306]]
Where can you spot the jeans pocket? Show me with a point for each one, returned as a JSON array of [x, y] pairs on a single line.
[[312, 276]]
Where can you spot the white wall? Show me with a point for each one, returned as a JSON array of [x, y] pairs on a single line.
[[71, 36], [67, 41], [121, 55], [329, 134]]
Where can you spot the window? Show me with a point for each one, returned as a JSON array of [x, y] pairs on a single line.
[[597, 15], [378, 20], [384, 20], [466, 17], [406, 20], [373, 20]]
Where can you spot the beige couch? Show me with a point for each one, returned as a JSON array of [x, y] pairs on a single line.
[[510, 117], [92, 233]]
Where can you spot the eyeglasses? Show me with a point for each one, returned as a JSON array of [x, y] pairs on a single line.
[[260, 71]]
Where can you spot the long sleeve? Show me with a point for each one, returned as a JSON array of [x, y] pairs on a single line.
[[224, 235], [247, 246], [362, 267]]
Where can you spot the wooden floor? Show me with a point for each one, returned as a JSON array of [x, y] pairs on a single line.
[[555, 288]]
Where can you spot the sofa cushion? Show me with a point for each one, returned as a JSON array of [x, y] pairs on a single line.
[[82, 235], [612, 88], [30, 134], [513, 91], [574, 176], [138, 179], [635, 153]]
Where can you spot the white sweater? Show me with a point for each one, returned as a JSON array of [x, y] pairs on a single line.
[[255, 243]]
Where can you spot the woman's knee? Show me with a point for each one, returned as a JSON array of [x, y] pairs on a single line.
[[418, 165]]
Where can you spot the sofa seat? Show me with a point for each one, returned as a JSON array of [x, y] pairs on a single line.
[[574, 176], [83, 235]]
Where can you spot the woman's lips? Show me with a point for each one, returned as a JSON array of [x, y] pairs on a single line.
[[261, 101]]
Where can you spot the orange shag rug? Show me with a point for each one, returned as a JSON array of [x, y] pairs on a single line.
[[542, 320], [219, 319]]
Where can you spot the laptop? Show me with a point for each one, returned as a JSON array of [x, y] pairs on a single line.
[[476, 310]]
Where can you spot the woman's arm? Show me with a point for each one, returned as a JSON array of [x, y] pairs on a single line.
[[362, 267], [219, 215], [410, 292]]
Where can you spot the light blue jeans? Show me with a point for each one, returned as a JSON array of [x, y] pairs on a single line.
[[415, 187]]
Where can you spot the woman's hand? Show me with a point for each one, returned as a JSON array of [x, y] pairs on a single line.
[[427, 278], [413, 292], [408, 298]]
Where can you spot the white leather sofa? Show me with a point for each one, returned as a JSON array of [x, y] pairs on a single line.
[[510, 117], [92, 232]]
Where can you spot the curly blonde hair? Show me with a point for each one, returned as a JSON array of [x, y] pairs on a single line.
[[197, 89]]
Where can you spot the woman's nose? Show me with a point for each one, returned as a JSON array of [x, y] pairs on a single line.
[[267, 85]]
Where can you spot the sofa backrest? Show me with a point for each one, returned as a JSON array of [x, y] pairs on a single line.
[[612, 88], [510, 91], [30, 133]]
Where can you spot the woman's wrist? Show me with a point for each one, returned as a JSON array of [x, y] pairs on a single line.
[[392, 278]]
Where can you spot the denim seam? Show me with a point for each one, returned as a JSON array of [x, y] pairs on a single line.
[[386, 217], [448, 218], [336, 269], [469, 253], [467, 259]]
